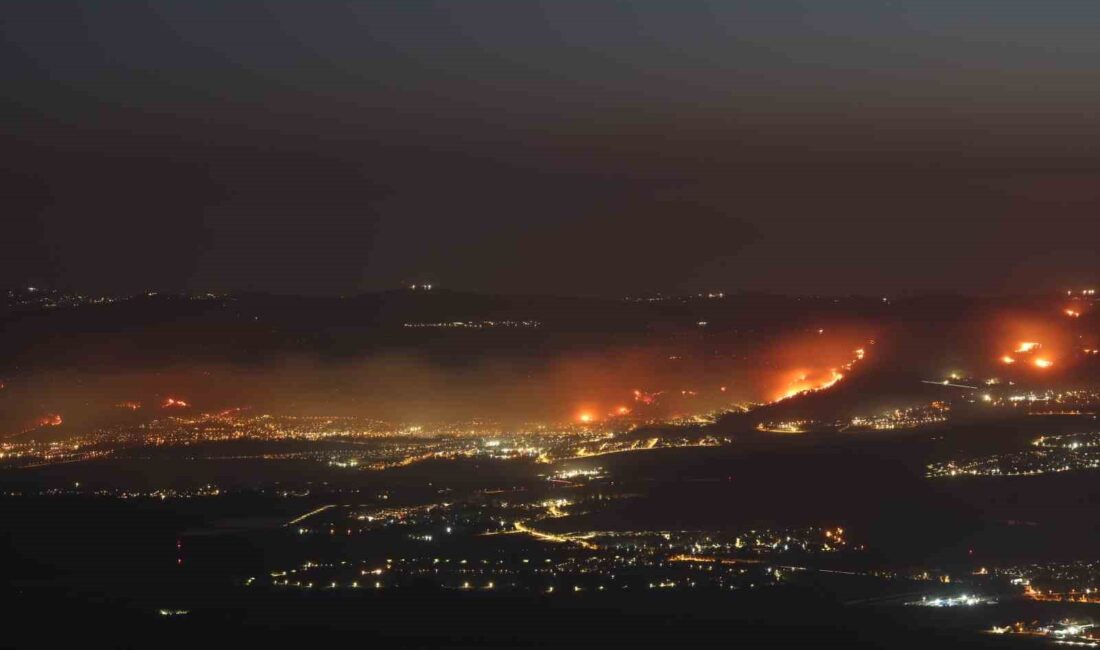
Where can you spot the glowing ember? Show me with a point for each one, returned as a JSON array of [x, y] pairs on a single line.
[[1007, 359], [172, 402], [1072, 313], [1043, 363], [1028, 346]]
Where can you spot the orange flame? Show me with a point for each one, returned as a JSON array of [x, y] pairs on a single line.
[[51, 420], [803, 382]]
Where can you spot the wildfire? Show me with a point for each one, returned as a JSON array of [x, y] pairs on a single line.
[[1072, 313], [51, 420], [133, 406], [1025, 348], [803, 383], [172, 402], [622, 410], [585, 417], [1034, 353]]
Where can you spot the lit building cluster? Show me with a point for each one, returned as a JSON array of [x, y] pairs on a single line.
[[351, 442], [476, 324], [660, 297], [1030, 401], [789, 426], [576, 476], [618, 446], [1075, 581], [158, 494], [1071, 441], [38, 298], [904, 418], [31, 298], [548, 562], [1051, 401], [1070, 632], [1045, 459], [523, 541], [963, 600]]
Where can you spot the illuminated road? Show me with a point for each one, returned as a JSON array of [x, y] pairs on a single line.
[[557, 539], [309, 514]]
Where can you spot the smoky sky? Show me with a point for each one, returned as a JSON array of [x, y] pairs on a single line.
[[596, 148]]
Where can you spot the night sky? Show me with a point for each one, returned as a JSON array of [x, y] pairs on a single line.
[[594, 148]]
